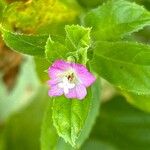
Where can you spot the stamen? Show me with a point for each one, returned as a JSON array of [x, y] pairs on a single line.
[[66, 85], [70, 77]]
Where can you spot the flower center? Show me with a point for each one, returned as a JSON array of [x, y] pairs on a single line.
[[68, 82], [70, 77]]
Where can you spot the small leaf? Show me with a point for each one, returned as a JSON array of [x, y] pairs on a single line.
[[77, 37], [115, 19], [55, 50], [70, 117], [75, 45], [78, 40], [124, 65], [26, 44]]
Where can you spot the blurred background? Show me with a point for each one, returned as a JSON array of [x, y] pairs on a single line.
[[23, 90]]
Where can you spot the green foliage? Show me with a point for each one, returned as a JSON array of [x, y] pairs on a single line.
[[22, 131], [89, 3], [115, 19], [70, 117], [77, 37], [41, 66], [102, 42], [122, 126], [22, 93], [2, 6], [44, 16], [97, 145], [124, 65], [93, 113], [140, 101], [26, 44], [75, 45], [78, 40], [49, 135], [55, 50], [145, 3], [69, 122]]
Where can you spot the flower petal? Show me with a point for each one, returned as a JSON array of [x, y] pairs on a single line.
[[54, 81], [54, 72], [84, 75], [55, 91], [87, 79], [80, 68], [78, 92], [58, 67], [60, 64]]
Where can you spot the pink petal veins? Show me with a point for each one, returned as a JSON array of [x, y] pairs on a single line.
[[61, 65], [57, 68], [84, 75], [54, 72], [55, 91], [79, 92]]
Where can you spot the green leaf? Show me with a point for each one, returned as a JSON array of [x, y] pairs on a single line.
[[116, 19], [145, 3], [63, 145], [124, 64], [122, 126], [94, 144], [41, 66], [2, 6], [26, 44], [77, 37], [139, 101], [74, 46], [78, 40], [55, 50], [49, 135], [97, 145], [93, 113], [71, 117], [44, 16], [89, 3]]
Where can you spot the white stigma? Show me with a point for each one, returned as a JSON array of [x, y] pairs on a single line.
[[66, 85]]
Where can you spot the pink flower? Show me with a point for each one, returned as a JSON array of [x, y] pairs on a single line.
[[70, 79]]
